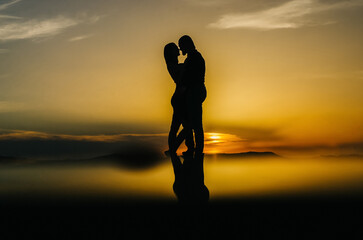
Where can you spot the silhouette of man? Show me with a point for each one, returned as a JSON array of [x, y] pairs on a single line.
[[193, 78]]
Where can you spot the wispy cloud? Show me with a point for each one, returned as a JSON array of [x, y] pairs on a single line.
[[35, 28], [34, 135], [5, 6], [78, 38], [16, 28], [95, 19], [292, 14], [48, 146], [211, 138]]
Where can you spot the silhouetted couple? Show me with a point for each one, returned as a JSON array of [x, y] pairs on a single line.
[[190, 93], [187, 100]]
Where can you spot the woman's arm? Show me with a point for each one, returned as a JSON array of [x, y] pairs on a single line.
[[173, 71]]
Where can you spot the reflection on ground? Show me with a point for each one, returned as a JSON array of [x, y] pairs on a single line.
[[225, 178]]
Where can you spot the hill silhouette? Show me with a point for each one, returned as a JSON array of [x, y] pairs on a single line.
[[134, 158], [250, 154], [342, 156]]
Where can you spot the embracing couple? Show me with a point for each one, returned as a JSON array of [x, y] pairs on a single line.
[[190, 93]]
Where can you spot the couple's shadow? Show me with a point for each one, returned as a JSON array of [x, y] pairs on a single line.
[[189, 185]]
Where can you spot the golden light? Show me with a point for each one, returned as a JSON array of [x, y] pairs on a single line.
[[214, 135], [222, 142]]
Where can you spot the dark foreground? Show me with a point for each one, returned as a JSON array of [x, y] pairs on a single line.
[[279, 218]]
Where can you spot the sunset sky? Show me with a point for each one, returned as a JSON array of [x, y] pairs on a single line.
[[282, 76]]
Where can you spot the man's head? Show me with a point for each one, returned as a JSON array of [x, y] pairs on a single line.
[[186, 44]]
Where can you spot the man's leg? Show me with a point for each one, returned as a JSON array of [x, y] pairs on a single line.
[[195, 99], [198, 129]]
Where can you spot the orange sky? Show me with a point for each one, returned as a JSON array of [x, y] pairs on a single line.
[[280, 74]]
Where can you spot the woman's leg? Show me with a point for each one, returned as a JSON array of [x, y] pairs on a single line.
[[180, 138], [174, 128], [188, 136], [183, 135]]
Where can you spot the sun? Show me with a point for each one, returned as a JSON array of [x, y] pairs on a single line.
[[214, 137], [215, 142]]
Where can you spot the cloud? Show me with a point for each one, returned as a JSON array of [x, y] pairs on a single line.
[[8, 17], [6, 5], [17, 28], [292, 14], [35, 135], [42, 145], [35, 28], [95, 19], [2, 50], [78, 38]]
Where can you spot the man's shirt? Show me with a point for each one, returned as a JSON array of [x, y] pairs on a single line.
[[194, 71]]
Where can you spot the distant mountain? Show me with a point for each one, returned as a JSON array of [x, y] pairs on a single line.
[[250, 154]]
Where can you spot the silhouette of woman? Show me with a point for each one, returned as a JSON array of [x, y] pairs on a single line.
[[178, 101]]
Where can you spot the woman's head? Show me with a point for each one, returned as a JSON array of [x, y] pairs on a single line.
[[171, 53]]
